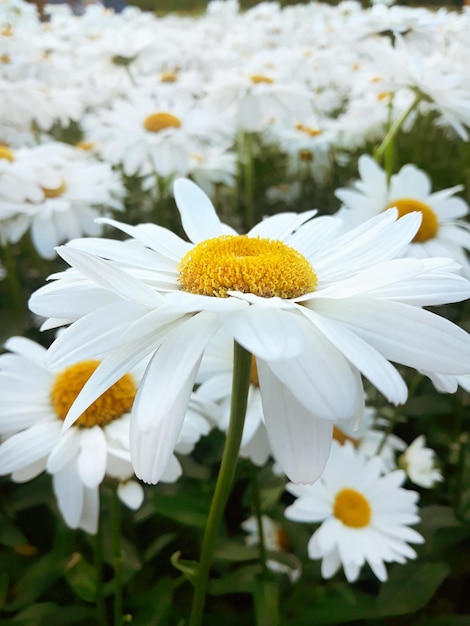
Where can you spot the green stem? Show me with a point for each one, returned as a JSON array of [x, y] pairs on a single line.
[[240, 387], [101, 616], [14, 285], [117, 556], [259, 518], [393, 130]]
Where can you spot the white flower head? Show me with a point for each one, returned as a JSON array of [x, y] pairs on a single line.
[[443, 232], [364, 515], [419, 463], [79, 460], [316, 309]]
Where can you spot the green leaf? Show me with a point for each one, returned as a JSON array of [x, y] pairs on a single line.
[[4, 580], [187, 568], [192, 510], [266, 594], [82, 577], [9, 534], [239, 581], [409, 588], [41, 575], [158, 545]]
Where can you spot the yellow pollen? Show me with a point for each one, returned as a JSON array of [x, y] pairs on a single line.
[[429, 222], [6, 153], [352, 508], [157, 122], [85, 145], [341, 437], [263, 267], [254, 380], [168, 77], [306, 155], [283, 540], [260, 78], [6, 31], [5, 58], [54, 192], [383, 95], [111, 405], [376, 79], [311, 132]]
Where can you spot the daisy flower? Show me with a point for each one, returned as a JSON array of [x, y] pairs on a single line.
[[419, 463], [275, 540], [364, 516], [77, 189], [316, 308], [96, 448], [442, 232]]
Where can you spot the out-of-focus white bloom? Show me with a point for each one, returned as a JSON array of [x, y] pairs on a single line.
[[419, 464], [57, 191], [275, 540], [442, 232], [364, 515]]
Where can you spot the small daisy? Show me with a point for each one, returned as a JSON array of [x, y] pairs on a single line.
[[364, 516], [275, 540], [442, 232], [315, 308], [419, 464], [95, 448], [64, 190]]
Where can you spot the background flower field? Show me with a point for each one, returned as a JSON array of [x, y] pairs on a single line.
[[269, 109]]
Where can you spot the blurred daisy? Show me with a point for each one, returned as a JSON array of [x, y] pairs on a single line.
[[275, 540], [442, 232], [419, 463], [364, 516], [315, 308], [94, 449], [65, 189], [147, 135]]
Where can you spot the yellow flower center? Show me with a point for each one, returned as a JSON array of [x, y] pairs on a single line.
[[306, 155], [254, 380], [157, 122], [168, 77], [429, 222], [6, 153], [383, 95], [85, 145], [5, 58], [263, 267], [352, 508], [6, 31], [111, 405], [311, 132], [54, 192], [261, 78], [341, 437]]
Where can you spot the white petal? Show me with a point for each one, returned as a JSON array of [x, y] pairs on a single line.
[[198, 215], [300, 441], [363, 356], [27, 348], [69, 491], [28, 446], [67, 448], [281, 225], [266, 331], [406, 334], [90, 512], [91, 461], [131, 494]]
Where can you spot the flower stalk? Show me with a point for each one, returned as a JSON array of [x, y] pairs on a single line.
[[240, 387]]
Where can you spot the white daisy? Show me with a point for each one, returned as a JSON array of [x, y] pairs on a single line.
[[275, 540], [364, 516], [63, 190], [419, 463], [442, 232], [316, 309], [96, 448]]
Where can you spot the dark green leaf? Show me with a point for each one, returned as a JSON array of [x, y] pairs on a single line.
[[82, 577], [186, 567]]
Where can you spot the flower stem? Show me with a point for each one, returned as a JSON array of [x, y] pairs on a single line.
[[240, 387], [259, 518], [101, 617], [117, 557], [393, 130]]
